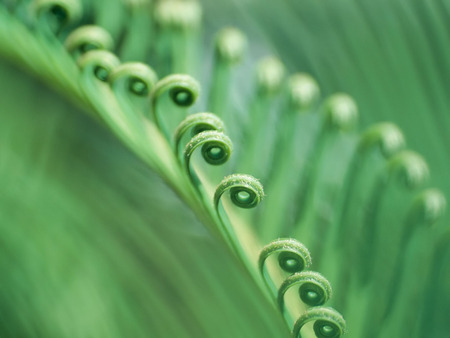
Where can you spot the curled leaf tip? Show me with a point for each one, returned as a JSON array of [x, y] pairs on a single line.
[[99, 62], [138, 78], [89, 37], [328, 323], [430, 205], [231, 44], [409, 167], [313, 288], [293, 256], [178, 14], [216, 147], [197, 123], [303, 90], [387, 136], [270, 73], [183, 89], [63, 12], [340, 111], [245, 191]]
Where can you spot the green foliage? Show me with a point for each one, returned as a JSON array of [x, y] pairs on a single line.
[[110, 229]]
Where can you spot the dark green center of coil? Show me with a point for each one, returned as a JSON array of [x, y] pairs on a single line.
[[101, 73], [59, 13], [181, 96], [325, 329], [243, 197], [138, 87], [311, 294], [214, 153], [291, 262]]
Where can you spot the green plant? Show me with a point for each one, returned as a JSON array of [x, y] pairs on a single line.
[[99, 234]]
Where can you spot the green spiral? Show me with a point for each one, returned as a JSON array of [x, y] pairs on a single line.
[[245, 191], [216, 148], [197, 123], [328, 323], [183, 91], [97, 67], [133, 77], [57, 13], [314, 289], [99, 63], [86, 38], [292, 257]]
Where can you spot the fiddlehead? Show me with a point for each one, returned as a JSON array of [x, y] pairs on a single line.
[[303, 91], [269, 75], [375, 146], [96, 69], [230, 46], [245, 192], [403, 173], [133, 77], [131, 84], [386, 136], [98, 63], [216, 149], [292, 257], [178, 14], [183, 91], [56, 14], [409, 168], [303, 94], [197, 123], [314, 289], [427, 207], [178, 23], [328, 323], [386, 139], [86, 38], [340, 112]]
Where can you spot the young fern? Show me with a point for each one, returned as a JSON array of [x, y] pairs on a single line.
[[216, 149], [327, 322], [197, 123], [293, 257], [183, 91], [359, 225], [314, 289]]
